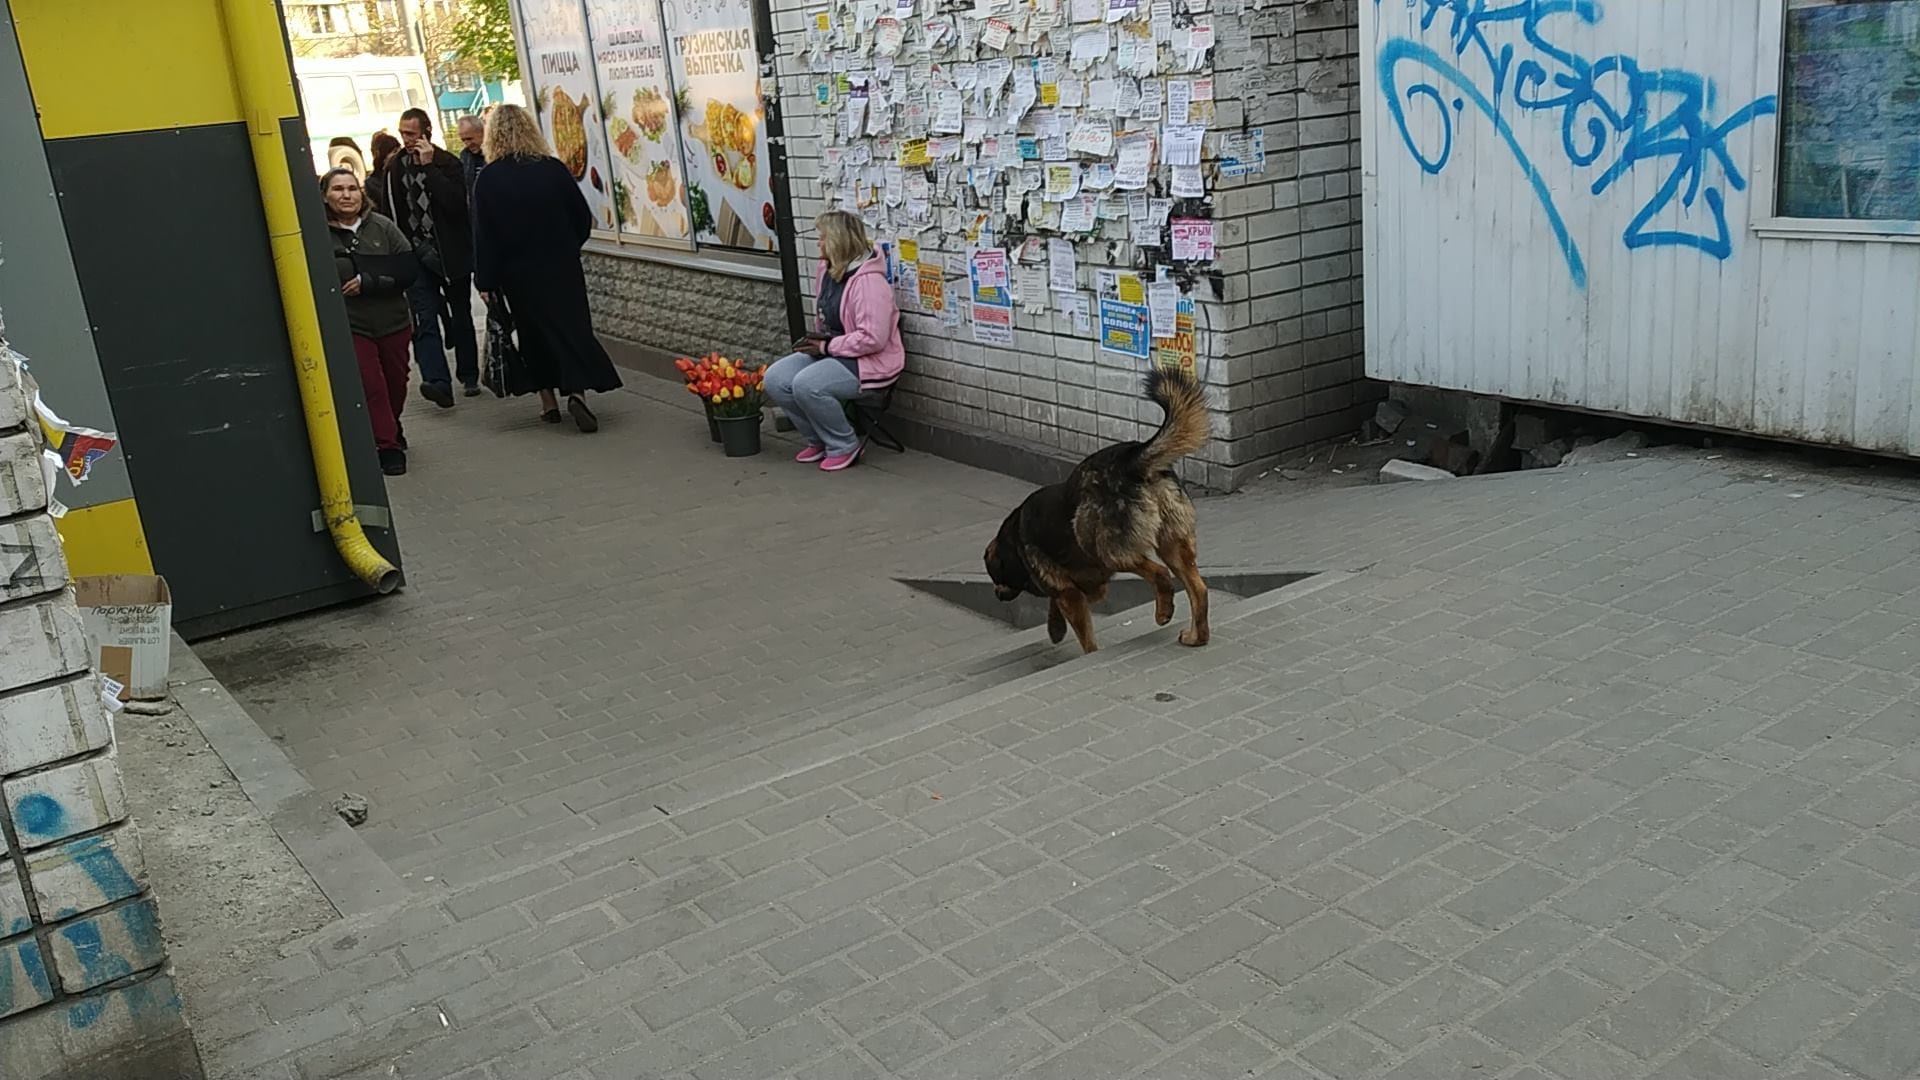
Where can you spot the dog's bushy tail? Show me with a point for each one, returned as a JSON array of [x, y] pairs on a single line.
[[1186, 427]]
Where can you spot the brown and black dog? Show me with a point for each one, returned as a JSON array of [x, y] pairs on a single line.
[[1119, 508]]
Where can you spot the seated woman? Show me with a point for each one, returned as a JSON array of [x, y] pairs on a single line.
[[856, 347]]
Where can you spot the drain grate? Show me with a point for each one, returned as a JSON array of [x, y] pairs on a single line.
[[975, 592]]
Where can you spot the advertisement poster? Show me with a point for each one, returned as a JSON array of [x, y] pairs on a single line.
[[1244, 153], [563, 89], [992, 297], [716, 65], [933, 296], [1179, 350], [636, 100], [1123, 329], [1193, 239]]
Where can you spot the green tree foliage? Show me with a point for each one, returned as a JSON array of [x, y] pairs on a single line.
[[482, 34]]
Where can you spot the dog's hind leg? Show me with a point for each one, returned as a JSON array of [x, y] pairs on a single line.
[[1180, 555], [1162, 583], [1079, 615], [1056, 621]]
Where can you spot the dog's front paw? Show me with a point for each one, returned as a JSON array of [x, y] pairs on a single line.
[[1163, 610], [1195, 638]]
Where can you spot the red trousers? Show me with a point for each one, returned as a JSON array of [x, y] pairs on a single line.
[[383, 375]]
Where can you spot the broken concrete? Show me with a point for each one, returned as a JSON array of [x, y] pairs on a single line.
[[1399, 470], [1618, 448]]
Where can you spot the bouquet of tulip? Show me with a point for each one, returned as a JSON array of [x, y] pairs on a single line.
[[731, 389]]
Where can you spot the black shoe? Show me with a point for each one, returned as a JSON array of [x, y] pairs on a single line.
[[393, 462], [551, 416], [439, 393], [583, 417], [472, 389]]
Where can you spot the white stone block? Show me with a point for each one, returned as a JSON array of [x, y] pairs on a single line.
[[100, 1026], [87, 873], [41, 642], [16, 405], [111, 945], [15, 916], [31, 558], [23, 484], [43, 726], [65, 801], [23, 971]]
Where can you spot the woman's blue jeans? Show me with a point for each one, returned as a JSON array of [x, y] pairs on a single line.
[[813, 392]]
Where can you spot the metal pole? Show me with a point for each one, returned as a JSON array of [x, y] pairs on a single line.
[[777, 183]]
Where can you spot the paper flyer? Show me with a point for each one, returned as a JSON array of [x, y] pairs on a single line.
[[1124, 329], [1178, 350], [1193, 239], [1062, 266], [1163, 299], [1082, 312], [992, 297], [1244, 153], [933, 294]]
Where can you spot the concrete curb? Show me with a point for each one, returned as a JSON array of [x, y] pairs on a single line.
[[348, 873]]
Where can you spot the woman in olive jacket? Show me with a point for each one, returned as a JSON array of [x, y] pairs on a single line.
[[376, 265]]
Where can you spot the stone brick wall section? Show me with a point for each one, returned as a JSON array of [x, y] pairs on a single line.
[[83, 986], [683, 311], [1280, 345], [1295, 369]]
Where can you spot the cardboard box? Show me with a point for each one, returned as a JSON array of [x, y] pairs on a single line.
[[130, 618]]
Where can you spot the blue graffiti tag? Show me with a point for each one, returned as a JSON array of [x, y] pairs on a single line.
[[1613, 114], [40, 814], [100, 963], [31, 966], [97, 963]]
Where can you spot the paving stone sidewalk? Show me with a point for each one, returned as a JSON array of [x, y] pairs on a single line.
[[1597, 773]]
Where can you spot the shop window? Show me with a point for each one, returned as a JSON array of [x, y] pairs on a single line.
[[1850, 111]]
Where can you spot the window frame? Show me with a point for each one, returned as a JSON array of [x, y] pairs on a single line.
[[1766, 219]]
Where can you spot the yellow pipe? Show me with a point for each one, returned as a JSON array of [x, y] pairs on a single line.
[[264, 80]]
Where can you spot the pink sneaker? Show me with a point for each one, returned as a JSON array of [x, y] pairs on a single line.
[[836, 462], [810, 454]]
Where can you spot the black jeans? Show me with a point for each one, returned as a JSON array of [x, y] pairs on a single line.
[[447, 302]]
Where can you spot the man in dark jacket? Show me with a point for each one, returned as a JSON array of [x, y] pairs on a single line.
[[473, 133], [424, 190]]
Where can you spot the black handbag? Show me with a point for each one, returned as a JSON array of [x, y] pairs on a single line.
[[506, 371]]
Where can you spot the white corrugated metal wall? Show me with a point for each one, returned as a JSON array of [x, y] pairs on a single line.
[[1528, 237]]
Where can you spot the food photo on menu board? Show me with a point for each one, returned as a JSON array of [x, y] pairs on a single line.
[[557, 48], [630, 54], [716, 66]]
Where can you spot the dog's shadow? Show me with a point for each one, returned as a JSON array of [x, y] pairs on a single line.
[[1126, 592]]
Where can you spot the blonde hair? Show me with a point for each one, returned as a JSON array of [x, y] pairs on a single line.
[[513, 133], [843, 241]]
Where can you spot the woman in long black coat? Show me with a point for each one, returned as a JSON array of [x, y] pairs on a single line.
[[529, 222]]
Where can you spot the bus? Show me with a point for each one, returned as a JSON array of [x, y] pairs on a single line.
[[357, 96]]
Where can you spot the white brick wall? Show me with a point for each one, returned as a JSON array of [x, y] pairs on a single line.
[[82, 983], [1279, 344]]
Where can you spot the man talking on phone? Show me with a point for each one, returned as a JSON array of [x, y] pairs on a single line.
[[424, 190]]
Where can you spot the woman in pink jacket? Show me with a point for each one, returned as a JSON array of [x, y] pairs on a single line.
[[856, 348]]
